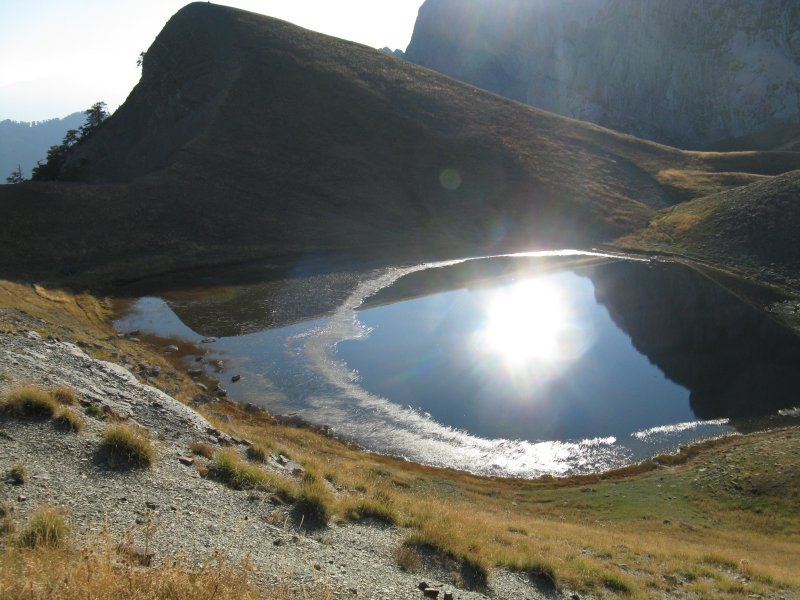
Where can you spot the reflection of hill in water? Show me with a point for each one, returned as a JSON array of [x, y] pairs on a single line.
[[237, 300], [735, 360]]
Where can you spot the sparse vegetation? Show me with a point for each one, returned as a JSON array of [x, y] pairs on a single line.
[[617, 583], [315, 502], [94, 411], [64, 395], [124, 447], [69, 420], [7, 526], [538, 569], [47, 527], [18, 474], [232, 469], [28, 401], [44, 573], [202, 449], [373, 508], [407, 558], [258, 453]]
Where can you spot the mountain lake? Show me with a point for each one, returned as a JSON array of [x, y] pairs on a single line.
[[520, 365]]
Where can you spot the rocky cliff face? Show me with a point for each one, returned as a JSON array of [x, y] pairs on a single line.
[[688, 73]]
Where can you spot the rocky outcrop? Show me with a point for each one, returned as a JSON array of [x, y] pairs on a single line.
[[689, 73]]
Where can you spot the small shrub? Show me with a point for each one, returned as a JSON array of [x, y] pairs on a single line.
[[64, 395], [315, 503], [258, 453], [28, 401], [202, 449], [233, 470], [47, 527], [407, 558], [18, 474], [331, 477], [124, 447], [68, 420], [379, 472], [95, 411]]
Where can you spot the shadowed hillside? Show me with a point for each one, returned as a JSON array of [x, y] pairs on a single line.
[[248, 137], [751, 229]]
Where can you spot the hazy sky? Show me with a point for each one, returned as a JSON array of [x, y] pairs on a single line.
[[61, 56]]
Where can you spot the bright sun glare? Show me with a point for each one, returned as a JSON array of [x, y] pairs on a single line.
[[528, 321]]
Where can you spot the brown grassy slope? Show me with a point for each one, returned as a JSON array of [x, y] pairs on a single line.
[[752, 229], [250, 137]]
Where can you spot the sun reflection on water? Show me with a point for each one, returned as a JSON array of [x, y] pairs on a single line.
[[531, 325]]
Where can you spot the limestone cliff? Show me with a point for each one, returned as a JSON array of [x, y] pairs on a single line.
[[688, 73]]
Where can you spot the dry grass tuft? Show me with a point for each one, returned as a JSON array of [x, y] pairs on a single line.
[[28, 401], [46, 528], [44, 573], [537, 569], [69, 420], [315, 502], [64, 395], [233, 470], [7, 525], [125, 447], [18, 474], [202, 449], [407, 558], [258, 453], [371, 508]]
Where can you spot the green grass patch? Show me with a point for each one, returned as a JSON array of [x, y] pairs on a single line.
[[95, 411], [29, 402], [47, 527], [126, 447]]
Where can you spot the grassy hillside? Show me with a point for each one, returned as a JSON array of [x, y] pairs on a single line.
[[751, 229], [249, 137]]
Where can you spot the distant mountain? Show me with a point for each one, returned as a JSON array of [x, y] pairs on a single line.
[[248, 137], [396, 52], [688, 73], [23, 143]]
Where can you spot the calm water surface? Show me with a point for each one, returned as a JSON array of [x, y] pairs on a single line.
[[511, 365]]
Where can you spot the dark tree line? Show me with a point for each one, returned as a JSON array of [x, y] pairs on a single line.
[[51, 167]]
